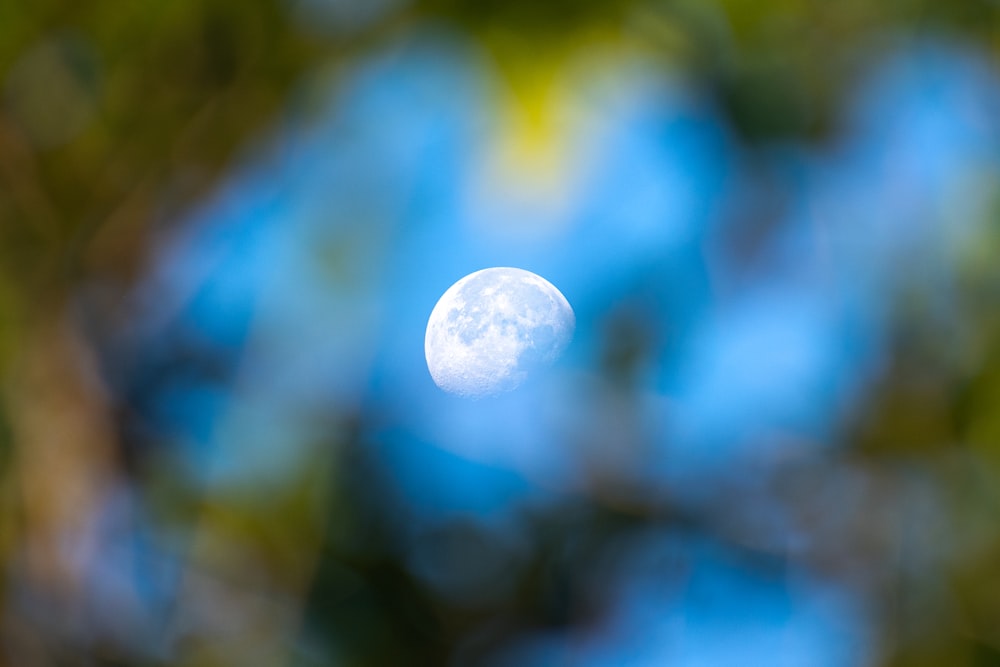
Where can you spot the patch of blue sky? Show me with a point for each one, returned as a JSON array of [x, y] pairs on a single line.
[[184, 413], [693, 604], [772, 372], [907, 186], [610, 247], [131, 580], [781, 354], [298, 262], [660, 161], [650, 162], [393, 126], [771, 361], [438, 484], [206, 276]]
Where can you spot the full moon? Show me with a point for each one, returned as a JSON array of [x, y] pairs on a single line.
[[494, 328]]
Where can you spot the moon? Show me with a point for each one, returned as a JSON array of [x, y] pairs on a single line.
[[494, 328]]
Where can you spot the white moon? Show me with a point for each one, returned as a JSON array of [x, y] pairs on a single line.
[[493, 328]]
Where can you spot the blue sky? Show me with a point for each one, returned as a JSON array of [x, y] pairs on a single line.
[[313, 270]]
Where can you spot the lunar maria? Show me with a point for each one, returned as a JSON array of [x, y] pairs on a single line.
[[493, 329]]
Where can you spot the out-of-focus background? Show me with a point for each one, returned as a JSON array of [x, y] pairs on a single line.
[[774, 441]]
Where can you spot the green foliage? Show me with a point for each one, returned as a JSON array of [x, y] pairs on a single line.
[[115, 117], [161, 96]]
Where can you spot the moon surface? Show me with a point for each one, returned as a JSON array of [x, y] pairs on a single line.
[[493, 329]]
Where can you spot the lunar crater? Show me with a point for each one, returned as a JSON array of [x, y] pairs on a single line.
[[494, 328]]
